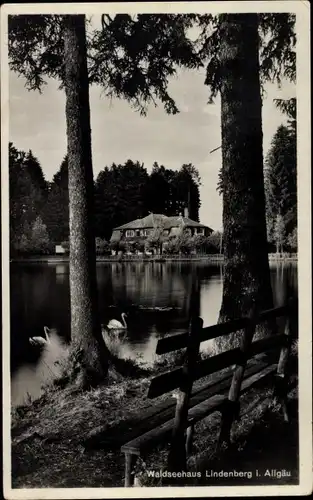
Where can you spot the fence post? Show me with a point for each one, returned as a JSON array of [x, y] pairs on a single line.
[[177, 454], [281, 378], [232, 407]]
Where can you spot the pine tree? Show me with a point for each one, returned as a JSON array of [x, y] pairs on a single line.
[[42, 46], [281, 183], [186, 188], [246, 274], [134, 57], [87, 349], [119, 196], [158, 191], [56, 210], [244, 51], [279, 233], [28, 190], [39, 239]]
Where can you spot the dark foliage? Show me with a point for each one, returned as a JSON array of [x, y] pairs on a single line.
[[281, 186]]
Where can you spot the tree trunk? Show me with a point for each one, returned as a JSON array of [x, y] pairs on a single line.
[[247, 276], [88, 355]]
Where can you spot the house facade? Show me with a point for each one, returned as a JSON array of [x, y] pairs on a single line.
[[169, 227]]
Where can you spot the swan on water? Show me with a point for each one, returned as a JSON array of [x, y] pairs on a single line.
[[114, 324], [40, 341]]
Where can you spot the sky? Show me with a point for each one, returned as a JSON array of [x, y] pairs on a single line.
[[119, 133]]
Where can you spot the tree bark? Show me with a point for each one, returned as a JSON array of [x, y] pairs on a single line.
[[247, 275], [88, 355]]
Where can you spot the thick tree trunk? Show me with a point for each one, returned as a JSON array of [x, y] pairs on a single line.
[[87, 349], [247, 276]]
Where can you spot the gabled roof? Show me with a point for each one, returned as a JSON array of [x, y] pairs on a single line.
[[154, 220], [149, 221], [177, 220]]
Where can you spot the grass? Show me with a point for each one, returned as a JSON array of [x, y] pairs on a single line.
[[56, 439], [256, 439], [47, 435]]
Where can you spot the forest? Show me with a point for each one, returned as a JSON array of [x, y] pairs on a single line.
[[39, 209], [133, 58], [281, 189], [39, 217]]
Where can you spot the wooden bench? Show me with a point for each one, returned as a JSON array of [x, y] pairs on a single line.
[[175, 420]]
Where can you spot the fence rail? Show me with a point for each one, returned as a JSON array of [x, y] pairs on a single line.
[[283, 256], [146, 258], [163, 257]]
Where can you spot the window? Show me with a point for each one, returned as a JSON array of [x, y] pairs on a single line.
[[201, 230], [147, 232], [130, 233]]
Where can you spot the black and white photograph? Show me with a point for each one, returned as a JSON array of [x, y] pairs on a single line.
[[156, 270]]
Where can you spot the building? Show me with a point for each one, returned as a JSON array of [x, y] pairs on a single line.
[[59, 250], [140, 229]]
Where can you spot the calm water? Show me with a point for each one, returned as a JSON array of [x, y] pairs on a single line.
[[40, 296]]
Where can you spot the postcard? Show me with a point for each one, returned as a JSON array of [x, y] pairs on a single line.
[[156, 249]]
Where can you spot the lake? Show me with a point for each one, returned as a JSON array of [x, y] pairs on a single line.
[[40, 296]]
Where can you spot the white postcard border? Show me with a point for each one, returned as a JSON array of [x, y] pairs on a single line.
[[302, 11]]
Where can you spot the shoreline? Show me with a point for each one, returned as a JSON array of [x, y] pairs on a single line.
[[53, 259]]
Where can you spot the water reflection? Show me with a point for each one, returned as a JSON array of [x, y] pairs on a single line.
[[62, 273], [159, 299]]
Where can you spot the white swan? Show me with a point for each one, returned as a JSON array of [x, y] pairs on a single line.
[[40, 341], [114, 324]]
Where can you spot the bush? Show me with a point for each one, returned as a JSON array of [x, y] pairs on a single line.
[[199, 242], [122, 246], [34, 239], [134, 246], [39, 236], [114, 245], [183, 243], [213, 242], [186, 244], [66, 246], [170, 247], [292, 240], [102, 247]]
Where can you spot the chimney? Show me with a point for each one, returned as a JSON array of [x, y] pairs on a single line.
[[186, 212]]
